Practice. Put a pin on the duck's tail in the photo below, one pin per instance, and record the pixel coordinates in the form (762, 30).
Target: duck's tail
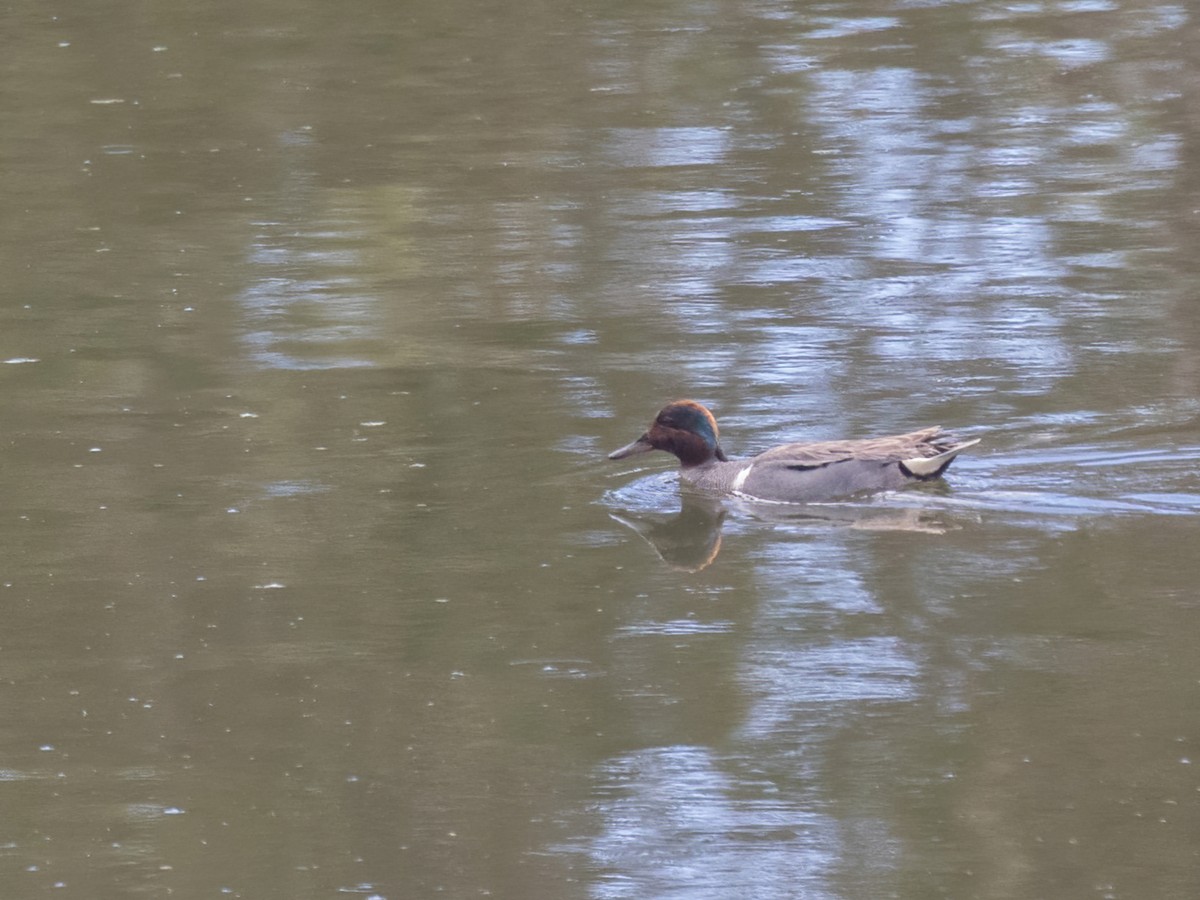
(927, 467)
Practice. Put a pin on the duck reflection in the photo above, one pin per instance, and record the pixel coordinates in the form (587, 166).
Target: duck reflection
(690, 539)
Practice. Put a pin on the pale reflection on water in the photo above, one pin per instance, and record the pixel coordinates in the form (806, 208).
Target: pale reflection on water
(682, 820)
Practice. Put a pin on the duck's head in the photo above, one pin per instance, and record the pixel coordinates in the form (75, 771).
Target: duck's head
(684, 428)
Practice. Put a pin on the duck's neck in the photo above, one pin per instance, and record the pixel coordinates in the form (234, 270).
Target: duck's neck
(694, 451)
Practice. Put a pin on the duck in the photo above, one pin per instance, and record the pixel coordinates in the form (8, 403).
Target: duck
(794, 473)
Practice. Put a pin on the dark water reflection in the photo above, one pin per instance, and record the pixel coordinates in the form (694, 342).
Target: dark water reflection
(316, 327)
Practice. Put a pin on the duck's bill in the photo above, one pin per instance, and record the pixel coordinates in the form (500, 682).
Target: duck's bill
(641, 445)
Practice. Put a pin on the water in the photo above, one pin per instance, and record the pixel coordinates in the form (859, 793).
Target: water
(317, 326)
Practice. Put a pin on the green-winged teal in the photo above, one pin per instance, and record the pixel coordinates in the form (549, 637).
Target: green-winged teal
(794, 473)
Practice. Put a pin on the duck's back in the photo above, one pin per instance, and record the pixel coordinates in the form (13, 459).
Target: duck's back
(926, 442)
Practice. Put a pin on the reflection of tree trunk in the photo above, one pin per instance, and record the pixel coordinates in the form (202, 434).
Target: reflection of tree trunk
(998, 820)
(1186, 218)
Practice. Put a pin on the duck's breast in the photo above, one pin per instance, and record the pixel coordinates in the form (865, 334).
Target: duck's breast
(718, 476)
